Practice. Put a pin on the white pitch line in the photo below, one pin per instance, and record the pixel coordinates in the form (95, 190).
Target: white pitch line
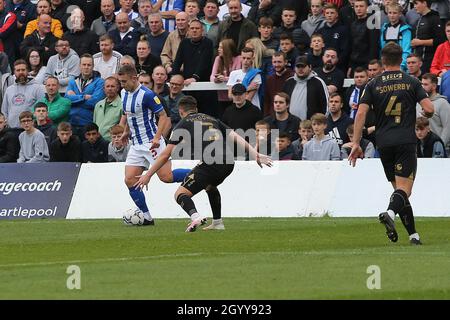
(299, 253)
(33, 264)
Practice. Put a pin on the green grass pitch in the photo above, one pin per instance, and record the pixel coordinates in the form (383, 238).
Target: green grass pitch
(255, 258)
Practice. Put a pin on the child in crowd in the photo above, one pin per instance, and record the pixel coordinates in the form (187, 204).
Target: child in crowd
(265, 29)
(316, 50)
(33, 147)
(43, 123)
(367, 146)
(429, 144)
(263, 137)
(66, 147)
(306, 133)
(117, 151)
(321, 147)
(288, 47)
(284, 148)
(94, 148)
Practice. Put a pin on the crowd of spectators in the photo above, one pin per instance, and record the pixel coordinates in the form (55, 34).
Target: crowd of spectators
(284, 64)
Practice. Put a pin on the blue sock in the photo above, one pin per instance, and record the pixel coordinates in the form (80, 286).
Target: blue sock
(180, 174)
(139, 198)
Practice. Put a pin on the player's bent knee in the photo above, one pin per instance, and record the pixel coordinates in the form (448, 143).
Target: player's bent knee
(180, 196)
(166, 177)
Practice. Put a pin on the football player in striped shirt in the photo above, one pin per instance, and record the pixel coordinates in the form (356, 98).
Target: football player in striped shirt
(141, 106)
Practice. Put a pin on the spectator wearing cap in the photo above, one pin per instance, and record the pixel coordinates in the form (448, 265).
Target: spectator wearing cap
(242, 114)
(308, 93)
(250, 77)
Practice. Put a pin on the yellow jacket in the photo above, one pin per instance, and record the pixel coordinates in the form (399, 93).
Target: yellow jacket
(56, 28)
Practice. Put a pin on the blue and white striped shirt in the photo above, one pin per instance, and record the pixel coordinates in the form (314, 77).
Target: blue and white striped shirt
(168, 5)
(140, 107)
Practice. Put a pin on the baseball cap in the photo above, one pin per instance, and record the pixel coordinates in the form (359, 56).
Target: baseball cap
(302, 61)
(238, 89)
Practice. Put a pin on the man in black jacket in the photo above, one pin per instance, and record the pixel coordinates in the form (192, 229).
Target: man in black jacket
(95, 148)
(195, 55)
(9, 142)
(307, 91)
(282, 119)
(364, 39)
(67, 147)
(428, 33)
(42, 39)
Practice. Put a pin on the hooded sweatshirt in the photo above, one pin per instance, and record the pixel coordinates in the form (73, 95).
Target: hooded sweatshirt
(313, 23)
(321, 150)
(440, 122)
(308, 96)
(19, 98)
(63, 69)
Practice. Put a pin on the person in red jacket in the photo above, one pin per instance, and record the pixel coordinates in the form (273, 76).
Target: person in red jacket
(441, 60)
(8, 31)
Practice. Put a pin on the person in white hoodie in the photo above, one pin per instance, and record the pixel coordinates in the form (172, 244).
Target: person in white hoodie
(63, 65)
(440, 121)
(22, 95)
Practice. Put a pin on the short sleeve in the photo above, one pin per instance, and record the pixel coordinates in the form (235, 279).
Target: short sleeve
(152, 102)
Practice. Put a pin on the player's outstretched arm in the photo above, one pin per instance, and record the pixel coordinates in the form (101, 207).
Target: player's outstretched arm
(427, 107)
(160, 161)
(260, 158)
(360, 120)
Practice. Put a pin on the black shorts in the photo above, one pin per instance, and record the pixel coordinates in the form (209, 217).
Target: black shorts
(204, 175)
(399, 161)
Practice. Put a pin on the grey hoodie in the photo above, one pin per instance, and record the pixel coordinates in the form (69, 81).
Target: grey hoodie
(325, 149)
(312, 24)
(19, 98)
(63, 69)
(440, 122)
(298, 106)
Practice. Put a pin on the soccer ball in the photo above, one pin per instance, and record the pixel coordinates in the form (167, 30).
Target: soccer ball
(133, 217)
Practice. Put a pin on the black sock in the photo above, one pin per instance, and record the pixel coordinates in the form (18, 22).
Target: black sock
(214, 201)
(407, 217)
(187, 204)
(398, 200)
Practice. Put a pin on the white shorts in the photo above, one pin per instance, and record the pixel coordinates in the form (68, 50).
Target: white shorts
(140, 155)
